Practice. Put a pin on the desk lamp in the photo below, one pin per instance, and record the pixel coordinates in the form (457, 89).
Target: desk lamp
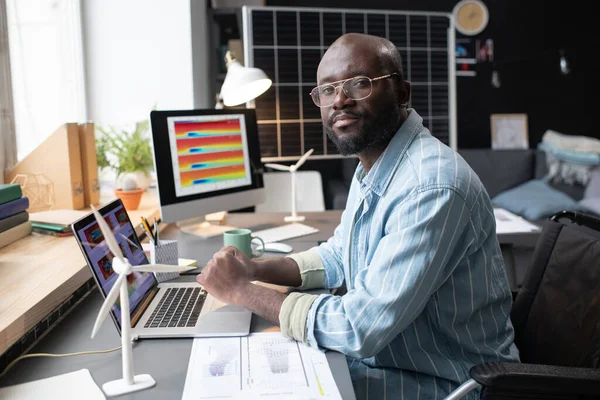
(241, 84)
(123, 268)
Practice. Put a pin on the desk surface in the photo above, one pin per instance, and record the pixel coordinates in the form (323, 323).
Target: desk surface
(200, 249)
(73, 333)
(165, 359)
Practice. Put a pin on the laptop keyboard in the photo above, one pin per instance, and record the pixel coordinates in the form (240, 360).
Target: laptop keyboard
(179, 307)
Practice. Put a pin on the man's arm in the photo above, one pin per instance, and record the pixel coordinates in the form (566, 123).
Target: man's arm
(278, 271)
(319, 267)
(418, 254)
(227, 278)
(269, 303)
(262, 301)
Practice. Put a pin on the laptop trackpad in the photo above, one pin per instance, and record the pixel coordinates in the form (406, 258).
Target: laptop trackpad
(230, 308)
(219, 306)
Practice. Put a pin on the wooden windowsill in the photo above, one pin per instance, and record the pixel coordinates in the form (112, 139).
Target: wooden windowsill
(39, 272)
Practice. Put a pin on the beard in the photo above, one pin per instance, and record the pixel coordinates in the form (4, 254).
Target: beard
(375, 132)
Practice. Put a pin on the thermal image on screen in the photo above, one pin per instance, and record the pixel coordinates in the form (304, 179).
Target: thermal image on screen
(209, 151)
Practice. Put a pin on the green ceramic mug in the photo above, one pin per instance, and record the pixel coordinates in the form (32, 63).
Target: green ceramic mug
(242, 239)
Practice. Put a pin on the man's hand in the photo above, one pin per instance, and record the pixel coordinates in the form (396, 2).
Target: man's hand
(225, 276)
(246, 262)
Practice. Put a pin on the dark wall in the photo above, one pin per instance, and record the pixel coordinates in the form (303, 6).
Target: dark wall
(527, 37)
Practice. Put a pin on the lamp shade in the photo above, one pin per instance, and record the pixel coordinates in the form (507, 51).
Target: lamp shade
(243, 84)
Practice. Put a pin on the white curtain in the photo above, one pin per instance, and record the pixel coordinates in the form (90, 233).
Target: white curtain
(8, 140)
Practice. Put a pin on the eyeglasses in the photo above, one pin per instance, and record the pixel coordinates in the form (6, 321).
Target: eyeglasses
(357, 88)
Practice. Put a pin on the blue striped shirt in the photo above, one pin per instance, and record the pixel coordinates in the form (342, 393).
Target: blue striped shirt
(427, 293)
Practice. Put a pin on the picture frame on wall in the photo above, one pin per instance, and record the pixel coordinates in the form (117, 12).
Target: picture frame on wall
(509, 131)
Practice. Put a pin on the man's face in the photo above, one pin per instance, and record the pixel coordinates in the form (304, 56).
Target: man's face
(355, 125)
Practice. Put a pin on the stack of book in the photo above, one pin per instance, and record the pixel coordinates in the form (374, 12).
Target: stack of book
(55, 222)
(14, 218)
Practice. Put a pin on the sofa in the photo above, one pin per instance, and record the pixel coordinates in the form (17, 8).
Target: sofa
(517, 181)
(505, 175)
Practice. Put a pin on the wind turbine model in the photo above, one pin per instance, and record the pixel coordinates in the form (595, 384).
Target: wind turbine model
(292, 169)
(122, 267)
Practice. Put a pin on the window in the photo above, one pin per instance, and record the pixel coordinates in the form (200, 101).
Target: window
(47, 70)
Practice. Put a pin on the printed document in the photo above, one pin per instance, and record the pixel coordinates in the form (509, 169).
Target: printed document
(261, 365)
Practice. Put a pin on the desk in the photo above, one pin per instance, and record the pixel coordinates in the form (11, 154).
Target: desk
(517, 248)
(165, 359)
(73, 333)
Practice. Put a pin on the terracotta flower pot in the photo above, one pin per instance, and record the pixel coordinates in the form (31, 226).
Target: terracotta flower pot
(130, 198)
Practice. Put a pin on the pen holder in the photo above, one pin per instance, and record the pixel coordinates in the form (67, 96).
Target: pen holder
(165, 252)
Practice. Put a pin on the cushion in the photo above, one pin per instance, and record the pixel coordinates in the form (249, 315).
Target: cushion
(541, 172)
(593, 187)
(535, 200)
(592, 204)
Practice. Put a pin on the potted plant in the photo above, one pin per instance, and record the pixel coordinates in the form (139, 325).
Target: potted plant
(129, 155)
(130, 194)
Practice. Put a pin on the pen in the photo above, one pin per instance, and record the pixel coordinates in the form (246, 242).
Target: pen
(155, 231)
(146, 227)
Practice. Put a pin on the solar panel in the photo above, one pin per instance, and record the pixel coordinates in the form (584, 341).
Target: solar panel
(288, 43)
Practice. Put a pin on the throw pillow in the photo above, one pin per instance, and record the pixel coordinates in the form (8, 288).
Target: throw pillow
(592, 189)
(535, 200)
(592, 204)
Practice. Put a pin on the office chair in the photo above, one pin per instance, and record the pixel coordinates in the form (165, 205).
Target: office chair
(556, 316)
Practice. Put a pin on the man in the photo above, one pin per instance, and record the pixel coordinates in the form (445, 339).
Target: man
(427, 295)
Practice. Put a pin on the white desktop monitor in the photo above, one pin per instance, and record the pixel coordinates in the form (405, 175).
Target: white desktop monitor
(206, 161)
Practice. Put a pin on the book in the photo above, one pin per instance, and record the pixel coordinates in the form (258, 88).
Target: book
(58, 158)
(51, 233)
(64, 218)
(15, 233)
(89, 164)
(50, 227)
(10, 192)
(14, 207)
(13, 220)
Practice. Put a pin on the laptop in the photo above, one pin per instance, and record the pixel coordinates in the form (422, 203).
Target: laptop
(158, 310)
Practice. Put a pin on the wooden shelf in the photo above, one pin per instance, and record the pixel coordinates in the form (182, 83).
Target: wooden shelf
(39, 272)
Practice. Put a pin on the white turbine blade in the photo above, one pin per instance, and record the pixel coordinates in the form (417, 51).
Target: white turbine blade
(303, 159)
(129, 241)
(278, 167)
(108, 303)
(108, 235)
(161, 268)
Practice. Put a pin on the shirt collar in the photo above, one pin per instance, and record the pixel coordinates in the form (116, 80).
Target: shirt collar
(381, 173)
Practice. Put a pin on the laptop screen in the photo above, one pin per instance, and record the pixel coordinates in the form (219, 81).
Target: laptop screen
(100, 258)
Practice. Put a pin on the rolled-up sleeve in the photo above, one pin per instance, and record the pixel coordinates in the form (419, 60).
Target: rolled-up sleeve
(311, 269)
(320, 267)
(426, 236)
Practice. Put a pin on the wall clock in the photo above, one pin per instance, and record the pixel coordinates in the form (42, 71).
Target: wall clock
(470, 17)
